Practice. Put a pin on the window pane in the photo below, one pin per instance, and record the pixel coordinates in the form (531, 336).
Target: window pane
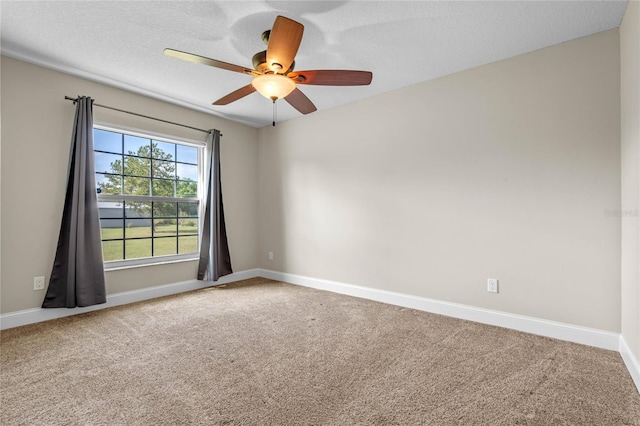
(163, 169)
(164, 246)
(138, 228)
(111, 229)
(107, 141)
(109, 184)
(137, 248)
(164, 209)
(164, 227)
(109, 209)
(112, 250)
(187, 154)
(136, 166)
(163, 188)
(187, 189)
(135, 145)
(136, 185)
(108, 163)
(187, 244)
(137, 210)
(187, 172)
(188, 226)
(188, 209)
(164, 150)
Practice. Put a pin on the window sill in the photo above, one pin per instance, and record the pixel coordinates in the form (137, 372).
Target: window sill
(143, 263)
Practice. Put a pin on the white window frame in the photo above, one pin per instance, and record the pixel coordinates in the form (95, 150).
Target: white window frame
(203, 150)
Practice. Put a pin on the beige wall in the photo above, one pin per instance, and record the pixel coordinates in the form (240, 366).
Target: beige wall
(630, 130)
(505, 171)
(510, 170)
(36, 133)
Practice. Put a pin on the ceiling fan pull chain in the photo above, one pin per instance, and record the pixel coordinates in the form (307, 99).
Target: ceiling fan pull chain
(275, 110)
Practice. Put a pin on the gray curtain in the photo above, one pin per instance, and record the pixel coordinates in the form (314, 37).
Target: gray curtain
(215, 260)
(77, 278)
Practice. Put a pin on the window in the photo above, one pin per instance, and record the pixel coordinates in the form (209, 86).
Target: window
(148, 196)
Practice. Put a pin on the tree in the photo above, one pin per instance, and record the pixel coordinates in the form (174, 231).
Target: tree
(138, 169)
(187, 188)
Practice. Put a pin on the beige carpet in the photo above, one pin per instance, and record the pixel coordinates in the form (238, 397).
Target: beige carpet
(260, 352)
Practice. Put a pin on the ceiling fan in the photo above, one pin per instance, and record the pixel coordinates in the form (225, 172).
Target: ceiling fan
(273, 74)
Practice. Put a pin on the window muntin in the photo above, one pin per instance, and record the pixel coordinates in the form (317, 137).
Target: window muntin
(148, 195)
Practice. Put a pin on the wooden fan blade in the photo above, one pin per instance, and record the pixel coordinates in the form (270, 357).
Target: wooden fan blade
(333, 77)
(234, 96)
(207, 61)
(284, 41)
(299, 101)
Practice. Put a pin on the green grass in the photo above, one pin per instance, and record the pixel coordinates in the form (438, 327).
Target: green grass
(173, 244)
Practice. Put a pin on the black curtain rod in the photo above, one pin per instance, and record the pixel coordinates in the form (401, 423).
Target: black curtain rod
(141, 115)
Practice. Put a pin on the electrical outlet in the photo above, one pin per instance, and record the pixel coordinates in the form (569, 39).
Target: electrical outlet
(492, 285)
(38, 283)
(270, 256)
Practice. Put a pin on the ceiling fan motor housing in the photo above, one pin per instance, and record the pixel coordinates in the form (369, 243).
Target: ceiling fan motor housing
(259, 61)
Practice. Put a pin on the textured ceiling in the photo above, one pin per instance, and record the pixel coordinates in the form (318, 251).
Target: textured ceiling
(121, 43)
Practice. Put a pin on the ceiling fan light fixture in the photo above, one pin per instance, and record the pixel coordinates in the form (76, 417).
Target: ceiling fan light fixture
(273, 86)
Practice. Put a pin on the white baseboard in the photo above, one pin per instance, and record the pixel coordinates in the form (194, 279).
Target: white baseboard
(632, 363)
(557, 330)
(30, 316)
